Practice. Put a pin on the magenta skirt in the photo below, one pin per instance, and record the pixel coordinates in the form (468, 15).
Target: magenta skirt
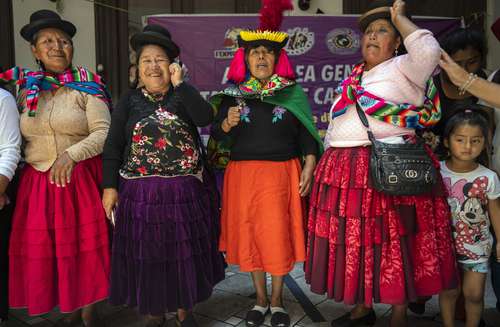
(59, 249)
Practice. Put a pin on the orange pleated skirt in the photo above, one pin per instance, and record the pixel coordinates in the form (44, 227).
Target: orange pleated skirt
(262, 226)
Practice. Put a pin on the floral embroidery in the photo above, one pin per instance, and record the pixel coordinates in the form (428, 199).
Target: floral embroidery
(278, 113)
(253, 86)
(162, 146)
(245, 111)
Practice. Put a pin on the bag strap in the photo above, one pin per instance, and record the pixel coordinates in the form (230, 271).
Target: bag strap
(362, 116)
(364, 121)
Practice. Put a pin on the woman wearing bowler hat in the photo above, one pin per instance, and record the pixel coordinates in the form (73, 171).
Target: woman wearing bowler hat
(59, 248)
(156, 185)
(367, 246)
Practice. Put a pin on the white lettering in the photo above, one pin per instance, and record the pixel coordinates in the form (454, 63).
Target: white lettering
(224, 77)
(327, 73)
(339, 71)
(324, 95)
(310, 75)
(317, 94)
(299, 71)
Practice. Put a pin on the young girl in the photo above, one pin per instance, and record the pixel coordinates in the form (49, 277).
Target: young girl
(473, 196)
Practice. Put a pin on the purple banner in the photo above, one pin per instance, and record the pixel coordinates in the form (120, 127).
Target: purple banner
(323, 50)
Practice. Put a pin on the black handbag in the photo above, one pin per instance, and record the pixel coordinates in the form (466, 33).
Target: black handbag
(399, 169)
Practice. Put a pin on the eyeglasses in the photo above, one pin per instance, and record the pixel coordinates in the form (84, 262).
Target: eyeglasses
(54, 43)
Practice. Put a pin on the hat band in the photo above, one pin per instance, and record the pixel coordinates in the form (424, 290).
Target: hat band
(374, 11)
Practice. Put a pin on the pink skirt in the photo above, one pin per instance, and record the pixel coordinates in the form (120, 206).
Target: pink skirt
(365, 246)
(59, 246)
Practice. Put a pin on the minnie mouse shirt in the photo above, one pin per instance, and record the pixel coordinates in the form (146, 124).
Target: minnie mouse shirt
(468, 195)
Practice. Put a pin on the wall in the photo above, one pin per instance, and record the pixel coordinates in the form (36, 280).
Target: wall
(329, 7)
(80, 13)
(493, 44)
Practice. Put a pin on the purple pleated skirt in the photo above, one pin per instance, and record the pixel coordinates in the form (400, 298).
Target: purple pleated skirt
(165, 246)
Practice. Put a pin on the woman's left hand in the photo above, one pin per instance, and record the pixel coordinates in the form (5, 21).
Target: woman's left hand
(4, 200)
(457, 74)
(398, 9)
(306, 178)
(61, 170)
(176, 74)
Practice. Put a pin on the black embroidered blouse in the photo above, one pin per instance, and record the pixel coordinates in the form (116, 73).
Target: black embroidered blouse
(155, 139)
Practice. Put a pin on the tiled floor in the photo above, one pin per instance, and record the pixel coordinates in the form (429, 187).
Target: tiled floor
(233, 297)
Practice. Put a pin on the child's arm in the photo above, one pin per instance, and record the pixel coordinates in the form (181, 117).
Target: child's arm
(494, 212)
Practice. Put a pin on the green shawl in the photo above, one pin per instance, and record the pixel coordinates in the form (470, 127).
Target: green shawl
(281, 92)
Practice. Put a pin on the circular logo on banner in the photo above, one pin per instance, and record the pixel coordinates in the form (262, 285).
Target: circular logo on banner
(230, 44)
(343, 41)
(300, 41)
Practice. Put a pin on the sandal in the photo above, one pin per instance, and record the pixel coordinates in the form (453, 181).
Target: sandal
(189, 321)
(345, 321)
(69, 320)
(256, 316)
(279, 317)
(155, 322)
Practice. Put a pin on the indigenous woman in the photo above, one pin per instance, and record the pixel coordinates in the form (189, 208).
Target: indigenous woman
(267, 122)
(366, 246)
(59, 248)
(165, 255)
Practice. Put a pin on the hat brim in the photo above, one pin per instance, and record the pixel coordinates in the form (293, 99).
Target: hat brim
(145, 38)
(29, 30)
(263, 42)
(373, 15)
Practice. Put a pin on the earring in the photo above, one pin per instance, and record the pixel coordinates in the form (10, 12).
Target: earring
(40, 64)
(396, 52)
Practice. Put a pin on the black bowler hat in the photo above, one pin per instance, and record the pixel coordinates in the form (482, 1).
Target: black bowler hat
(158, 35)
(377, 9)
(45, 19)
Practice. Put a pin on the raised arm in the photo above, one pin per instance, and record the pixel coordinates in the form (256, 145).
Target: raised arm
(479, 87)
(423, 49)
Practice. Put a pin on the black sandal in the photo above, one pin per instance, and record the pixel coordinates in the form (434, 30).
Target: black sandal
(189, 321)
(69, 320)
(279, 317)
(345, 321)
(96, 322)
(256, 316)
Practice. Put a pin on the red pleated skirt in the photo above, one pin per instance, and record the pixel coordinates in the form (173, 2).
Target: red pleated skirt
(59, 246)
(365, 246)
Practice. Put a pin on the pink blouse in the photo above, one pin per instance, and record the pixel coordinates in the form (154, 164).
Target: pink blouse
(401, 79)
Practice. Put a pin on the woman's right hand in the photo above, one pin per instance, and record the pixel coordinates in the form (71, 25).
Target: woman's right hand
(109, 201)
(232, 119)
(398, 9)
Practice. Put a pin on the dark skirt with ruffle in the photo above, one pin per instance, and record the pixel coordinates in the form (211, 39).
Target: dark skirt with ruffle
(365, 246)
(165, 254)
